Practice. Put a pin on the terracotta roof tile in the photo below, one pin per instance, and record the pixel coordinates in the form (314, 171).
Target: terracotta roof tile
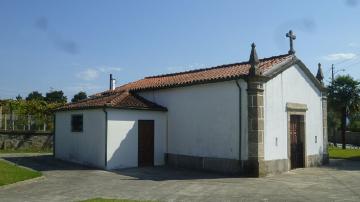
(123, 99)
(222, 72)
(125, 96)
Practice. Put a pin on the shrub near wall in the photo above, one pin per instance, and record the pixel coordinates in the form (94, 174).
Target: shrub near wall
(26, 141)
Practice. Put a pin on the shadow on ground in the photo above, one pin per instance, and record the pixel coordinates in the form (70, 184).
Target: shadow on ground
(44, 163)
(344, 164)
(160, 173)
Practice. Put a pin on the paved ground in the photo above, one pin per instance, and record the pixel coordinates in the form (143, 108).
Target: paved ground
(340, 181)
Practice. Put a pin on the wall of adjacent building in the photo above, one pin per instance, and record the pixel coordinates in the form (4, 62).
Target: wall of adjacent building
(203, 120)
(292, 86)
(122, 139)
(87, 147)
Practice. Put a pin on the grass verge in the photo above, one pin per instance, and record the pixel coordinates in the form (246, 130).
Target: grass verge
(29, 150)
(11, 173)
(112, 200)
(338, 153)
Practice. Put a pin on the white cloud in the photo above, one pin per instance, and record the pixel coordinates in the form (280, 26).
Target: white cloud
(88, 74)
(340, 56)
(353, 44)
(93, 73)
(105, 69)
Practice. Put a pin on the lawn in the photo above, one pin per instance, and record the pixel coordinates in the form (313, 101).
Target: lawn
(111, 200)
(11, 173)
(29, 150)
(338, 153)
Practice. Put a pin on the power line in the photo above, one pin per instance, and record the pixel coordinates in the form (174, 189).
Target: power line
(352, 64)
(347, 60)
(333, 72)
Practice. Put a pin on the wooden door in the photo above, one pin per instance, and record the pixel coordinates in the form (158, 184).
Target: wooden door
(145, 143)
(296, 142)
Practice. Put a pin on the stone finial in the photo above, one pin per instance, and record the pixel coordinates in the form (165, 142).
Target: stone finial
(254, 61)
(291, 37)
(320, 75)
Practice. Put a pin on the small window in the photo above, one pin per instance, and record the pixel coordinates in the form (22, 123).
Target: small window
(77, 123)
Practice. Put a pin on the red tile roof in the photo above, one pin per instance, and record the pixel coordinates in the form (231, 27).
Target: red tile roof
(125, 96)
(122, 100)
(223, 72)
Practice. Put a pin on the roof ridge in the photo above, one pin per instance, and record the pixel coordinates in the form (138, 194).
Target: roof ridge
(142, 99)
(96, 96)
(121, 95)
(125, 96)
(213, 67)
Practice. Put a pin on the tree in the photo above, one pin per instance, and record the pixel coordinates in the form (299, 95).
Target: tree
(35, 95)
(354, 124)
(344, 99)
(79, 96)
(56, 96)
(18, 97)
(333, 124)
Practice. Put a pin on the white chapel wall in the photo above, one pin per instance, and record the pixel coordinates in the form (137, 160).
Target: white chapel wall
(294, 86)
(203, 120)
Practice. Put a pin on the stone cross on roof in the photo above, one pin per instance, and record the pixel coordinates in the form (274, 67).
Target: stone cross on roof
(292, 37)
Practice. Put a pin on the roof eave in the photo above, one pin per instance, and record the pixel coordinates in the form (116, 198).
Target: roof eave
(111, 107)
(281, 67)
(190, 84)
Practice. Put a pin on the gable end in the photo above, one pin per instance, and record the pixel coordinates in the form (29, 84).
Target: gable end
(279, 68)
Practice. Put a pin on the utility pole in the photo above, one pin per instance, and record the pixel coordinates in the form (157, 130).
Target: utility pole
(333, 72)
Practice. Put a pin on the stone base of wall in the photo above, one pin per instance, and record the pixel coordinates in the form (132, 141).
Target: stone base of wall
(235, 167)
(254, 168)
(220, 165)
(314, 160)
(24, 141)
(325, 158)
(276, 166)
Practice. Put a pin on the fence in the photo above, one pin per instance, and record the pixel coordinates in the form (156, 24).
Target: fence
(351, 138)
(21, 122)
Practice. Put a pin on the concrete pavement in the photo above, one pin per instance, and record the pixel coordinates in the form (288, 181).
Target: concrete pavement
(340, 181)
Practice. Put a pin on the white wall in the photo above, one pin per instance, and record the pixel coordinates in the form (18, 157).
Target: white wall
(87, 147)
(294, 86)
(122, 139)
(203, 120)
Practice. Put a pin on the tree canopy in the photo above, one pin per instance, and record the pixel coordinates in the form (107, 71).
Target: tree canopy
(56, 96)
(344, 99)
(344, 93)
(35, 95)
(18, 97)
(79, 96)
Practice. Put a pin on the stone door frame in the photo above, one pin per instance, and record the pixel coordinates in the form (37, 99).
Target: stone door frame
(296, 109)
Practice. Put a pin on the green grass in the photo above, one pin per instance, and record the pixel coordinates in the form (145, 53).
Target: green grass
(111, 200)
(338, 153)
(10, 173)
(29, 150)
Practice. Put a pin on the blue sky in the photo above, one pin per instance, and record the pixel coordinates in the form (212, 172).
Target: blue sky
(74, 45)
